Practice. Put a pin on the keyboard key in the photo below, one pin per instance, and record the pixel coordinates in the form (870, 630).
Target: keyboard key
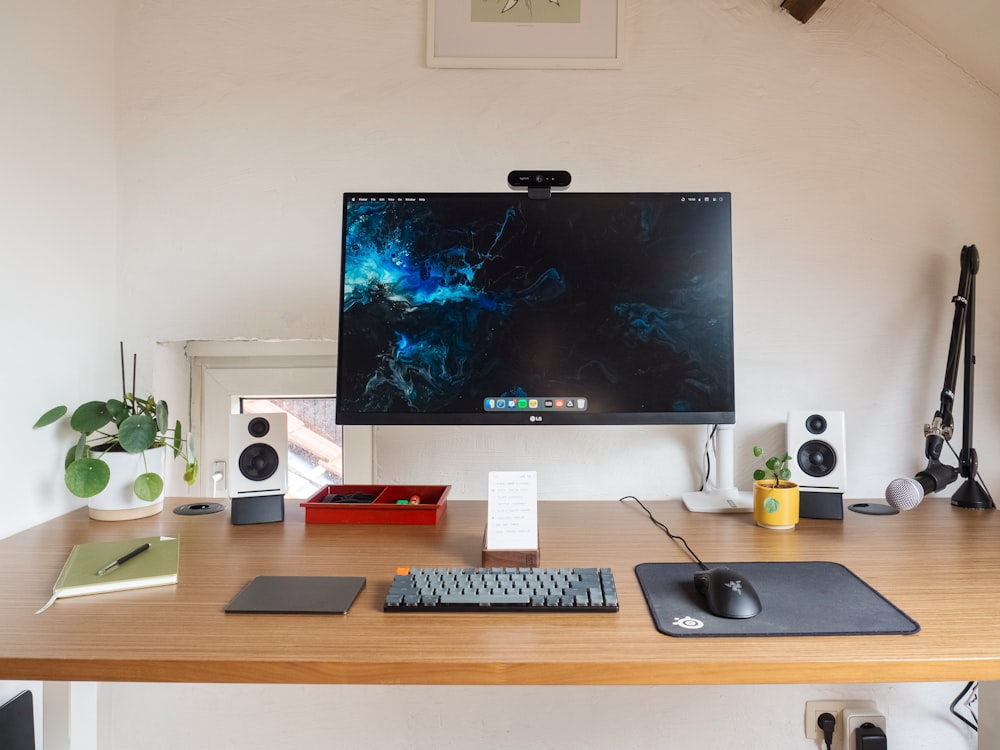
(489, 600)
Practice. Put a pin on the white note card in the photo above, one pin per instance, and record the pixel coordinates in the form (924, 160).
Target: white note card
(512, 510)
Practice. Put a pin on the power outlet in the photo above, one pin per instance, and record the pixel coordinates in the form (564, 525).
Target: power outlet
(837, 708)
(853, 718)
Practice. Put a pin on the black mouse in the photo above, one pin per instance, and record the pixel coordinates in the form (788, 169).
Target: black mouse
(727, 593)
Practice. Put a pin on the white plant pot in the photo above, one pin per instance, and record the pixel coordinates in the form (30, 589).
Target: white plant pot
(118, 502)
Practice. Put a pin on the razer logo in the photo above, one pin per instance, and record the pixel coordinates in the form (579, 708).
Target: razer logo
(736, 586)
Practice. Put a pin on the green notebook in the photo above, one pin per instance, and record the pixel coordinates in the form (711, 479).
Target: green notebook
(156, 566)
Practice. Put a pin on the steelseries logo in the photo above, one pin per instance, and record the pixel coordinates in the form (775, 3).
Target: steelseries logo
(535, 418)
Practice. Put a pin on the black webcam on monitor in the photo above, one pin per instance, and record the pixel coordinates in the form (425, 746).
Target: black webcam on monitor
(539, 182)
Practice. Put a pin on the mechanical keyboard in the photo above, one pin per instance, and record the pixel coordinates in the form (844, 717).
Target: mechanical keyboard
(502, 589)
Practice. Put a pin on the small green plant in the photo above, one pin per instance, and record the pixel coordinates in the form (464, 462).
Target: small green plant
(776, 468)
(129, 424)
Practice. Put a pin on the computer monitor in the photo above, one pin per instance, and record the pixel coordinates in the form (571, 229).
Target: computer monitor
(500, 308)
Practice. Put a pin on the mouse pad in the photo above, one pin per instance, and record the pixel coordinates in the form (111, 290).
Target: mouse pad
(297, 595)
(797, 598)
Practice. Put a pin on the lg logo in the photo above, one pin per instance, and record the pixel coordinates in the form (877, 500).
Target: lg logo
(534, 418)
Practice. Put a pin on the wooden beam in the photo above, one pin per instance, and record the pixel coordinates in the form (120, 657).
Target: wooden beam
(801, 10)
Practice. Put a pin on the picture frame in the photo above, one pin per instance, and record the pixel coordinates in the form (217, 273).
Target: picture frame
(525, 33)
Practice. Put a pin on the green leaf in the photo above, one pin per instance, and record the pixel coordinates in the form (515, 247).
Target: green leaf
(90, 417)
(191, 472)
(86, 477)
(50, 416)
(80, 450)
(148, 486)
(759, 474)
(758, 451)
(118, 410)
(176, 444)
(161, 416)
(137, 433)
(785, 474)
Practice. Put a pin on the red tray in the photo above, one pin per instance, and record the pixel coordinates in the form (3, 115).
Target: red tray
(384, 509)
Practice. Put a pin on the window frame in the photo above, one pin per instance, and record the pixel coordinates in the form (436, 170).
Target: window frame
(223, 372)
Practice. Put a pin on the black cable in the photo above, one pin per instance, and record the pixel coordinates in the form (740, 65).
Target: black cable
(968, 696)
(667, 531)
(707, 454)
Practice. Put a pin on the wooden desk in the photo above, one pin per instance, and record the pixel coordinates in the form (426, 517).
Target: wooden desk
(936, 563)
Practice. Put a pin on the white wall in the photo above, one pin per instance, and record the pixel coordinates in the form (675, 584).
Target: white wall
(860, 160)
(522, 718)
(57, 235)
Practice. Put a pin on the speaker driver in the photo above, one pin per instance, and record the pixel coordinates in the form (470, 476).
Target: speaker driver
(258, 461)
(816, 458)
(258, 427)
(816, 424)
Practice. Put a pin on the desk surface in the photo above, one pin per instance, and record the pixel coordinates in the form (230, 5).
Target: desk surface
(936, 563)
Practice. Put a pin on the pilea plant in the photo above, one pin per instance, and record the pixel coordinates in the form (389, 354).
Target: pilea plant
(776, 468)
(128, 424)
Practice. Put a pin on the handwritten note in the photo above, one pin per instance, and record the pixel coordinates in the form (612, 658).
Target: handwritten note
(512, 510)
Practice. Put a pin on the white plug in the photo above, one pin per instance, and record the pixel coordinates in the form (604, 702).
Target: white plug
(218, 475)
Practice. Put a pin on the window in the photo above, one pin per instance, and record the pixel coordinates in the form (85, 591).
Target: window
(298, 377)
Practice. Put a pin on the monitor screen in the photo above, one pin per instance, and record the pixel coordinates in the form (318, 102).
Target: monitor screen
(499, 308)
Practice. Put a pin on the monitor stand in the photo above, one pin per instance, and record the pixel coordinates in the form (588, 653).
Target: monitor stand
(725, 497)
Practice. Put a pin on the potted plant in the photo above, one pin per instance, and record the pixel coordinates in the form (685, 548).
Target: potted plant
(132, 432)
(775, 496)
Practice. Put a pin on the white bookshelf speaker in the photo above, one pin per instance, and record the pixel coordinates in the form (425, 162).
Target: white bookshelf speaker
(258, 467)
(817, 444)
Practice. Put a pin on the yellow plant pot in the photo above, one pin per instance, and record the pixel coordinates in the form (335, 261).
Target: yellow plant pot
(775, 507)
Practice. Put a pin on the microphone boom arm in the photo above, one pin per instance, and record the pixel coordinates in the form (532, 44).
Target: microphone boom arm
(971, 494)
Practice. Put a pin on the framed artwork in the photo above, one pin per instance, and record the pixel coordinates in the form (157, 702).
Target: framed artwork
(525, 33)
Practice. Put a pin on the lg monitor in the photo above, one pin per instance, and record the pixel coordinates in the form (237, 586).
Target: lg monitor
(505, 309)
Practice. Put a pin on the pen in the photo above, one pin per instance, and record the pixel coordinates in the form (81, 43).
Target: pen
(115, 563)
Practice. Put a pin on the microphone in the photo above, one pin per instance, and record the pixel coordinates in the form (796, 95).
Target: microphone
(905, 493)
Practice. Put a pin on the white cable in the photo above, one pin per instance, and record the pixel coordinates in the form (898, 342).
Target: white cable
(216, 478)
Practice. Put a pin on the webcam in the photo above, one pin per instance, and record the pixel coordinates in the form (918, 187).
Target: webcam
(539, 182)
